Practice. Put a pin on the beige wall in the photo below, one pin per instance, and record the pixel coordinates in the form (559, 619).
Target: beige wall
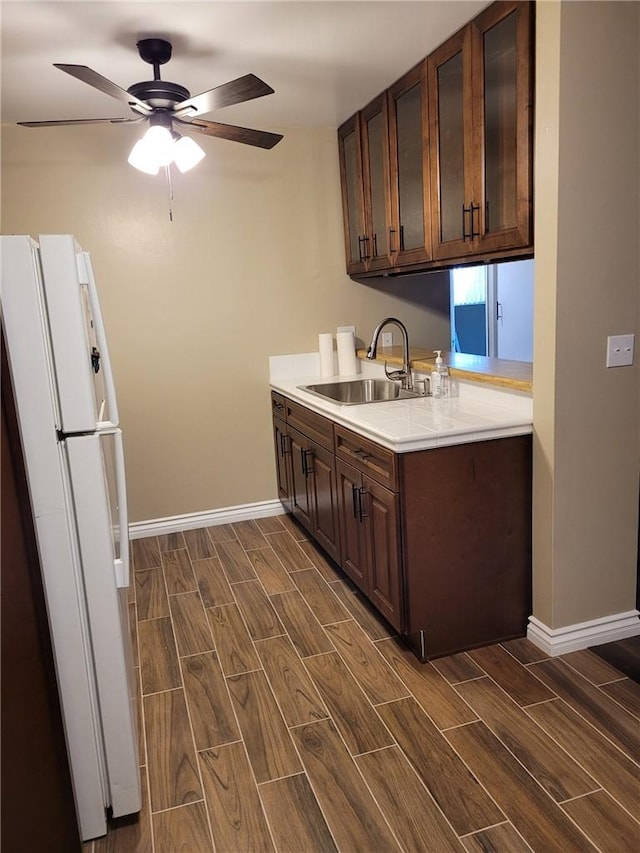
(587, 287)
(252, 265)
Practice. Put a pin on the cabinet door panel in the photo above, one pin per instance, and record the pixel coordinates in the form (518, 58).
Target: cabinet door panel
(301, 496)
(375, 158)
(385, 582)
(499, 54)
(325, 501)
(451, 147)
(352, 530)
(283, 457)
(352, 194)
(503, 96)
(409, 147)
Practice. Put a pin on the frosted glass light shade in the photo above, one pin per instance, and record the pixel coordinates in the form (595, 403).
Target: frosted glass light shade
(186, 153)
(140, 159)
(155, 149)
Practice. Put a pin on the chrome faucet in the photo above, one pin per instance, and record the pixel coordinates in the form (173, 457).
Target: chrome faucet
(403, 375)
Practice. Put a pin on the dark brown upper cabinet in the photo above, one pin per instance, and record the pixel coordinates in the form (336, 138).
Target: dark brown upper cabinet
(481, 104)
(355, 237)
(409, 149)
(438, 169)
(374, 129)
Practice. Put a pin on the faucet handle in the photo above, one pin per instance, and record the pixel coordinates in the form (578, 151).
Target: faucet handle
(426, 383)
(396, 375)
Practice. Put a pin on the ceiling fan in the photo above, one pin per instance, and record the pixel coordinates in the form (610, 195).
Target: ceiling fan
(167, 106)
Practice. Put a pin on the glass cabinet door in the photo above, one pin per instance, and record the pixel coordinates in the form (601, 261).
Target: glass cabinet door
(502, 88)
(352, 196)
(375, 158)
(409, 144)
(455, 214)
(499, 58)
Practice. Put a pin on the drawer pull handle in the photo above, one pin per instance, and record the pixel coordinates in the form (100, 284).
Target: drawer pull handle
(361, 454)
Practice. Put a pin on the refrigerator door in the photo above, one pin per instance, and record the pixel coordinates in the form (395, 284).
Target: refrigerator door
(24, 321)
(98, 521)
(83, 374)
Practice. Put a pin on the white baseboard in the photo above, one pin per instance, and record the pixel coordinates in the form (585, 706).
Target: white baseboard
(560, 641)
(227, 515)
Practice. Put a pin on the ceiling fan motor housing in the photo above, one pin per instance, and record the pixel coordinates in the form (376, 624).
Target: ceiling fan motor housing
(159, 93)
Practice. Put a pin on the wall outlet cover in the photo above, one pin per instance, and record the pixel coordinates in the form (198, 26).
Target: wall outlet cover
(386, 339)
(620, 350)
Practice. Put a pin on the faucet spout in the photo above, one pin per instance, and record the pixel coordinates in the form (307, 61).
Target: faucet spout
(403, 375)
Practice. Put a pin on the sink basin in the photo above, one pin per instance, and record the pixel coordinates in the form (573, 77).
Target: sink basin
(359, 391)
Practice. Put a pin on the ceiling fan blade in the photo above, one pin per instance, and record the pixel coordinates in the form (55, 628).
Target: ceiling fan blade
(88, 75)
(234, 92)
(81, 121)
(259, 138)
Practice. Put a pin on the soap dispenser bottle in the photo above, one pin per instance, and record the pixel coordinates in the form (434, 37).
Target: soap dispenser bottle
(439, 377)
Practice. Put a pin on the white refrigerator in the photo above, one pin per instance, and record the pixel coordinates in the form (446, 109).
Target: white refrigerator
(68, 419)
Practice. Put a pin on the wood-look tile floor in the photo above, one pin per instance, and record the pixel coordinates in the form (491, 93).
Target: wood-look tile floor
(278, 713)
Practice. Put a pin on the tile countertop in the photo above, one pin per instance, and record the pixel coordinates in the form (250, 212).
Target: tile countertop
(474, 412)
(500, 372)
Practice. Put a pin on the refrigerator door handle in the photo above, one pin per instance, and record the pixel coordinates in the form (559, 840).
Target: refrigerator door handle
(121, 564)
(86, 274)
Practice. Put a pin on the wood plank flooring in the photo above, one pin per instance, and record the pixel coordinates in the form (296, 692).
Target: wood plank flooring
(279, 713)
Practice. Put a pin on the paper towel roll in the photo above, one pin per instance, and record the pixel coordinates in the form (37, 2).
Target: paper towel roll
(347, 365)
(325, 342)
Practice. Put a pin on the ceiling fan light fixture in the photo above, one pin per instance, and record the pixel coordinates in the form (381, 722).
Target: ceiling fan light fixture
(187, 153)
(155, 149)
(139, 159)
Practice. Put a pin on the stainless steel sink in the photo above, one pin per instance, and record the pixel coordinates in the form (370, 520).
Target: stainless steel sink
(358, 391)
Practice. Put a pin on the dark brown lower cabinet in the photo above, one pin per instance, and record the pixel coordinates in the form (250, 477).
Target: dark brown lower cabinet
(370, 540)
(438, 540)
(466, 531)
(283, 463)
(306, 471)
(313, 493)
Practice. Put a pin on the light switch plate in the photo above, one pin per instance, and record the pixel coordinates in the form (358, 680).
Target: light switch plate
(347, 329)
(620, 350)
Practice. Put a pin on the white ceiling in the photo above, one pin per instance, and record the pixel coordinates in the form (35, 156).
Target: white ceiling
(325, 60)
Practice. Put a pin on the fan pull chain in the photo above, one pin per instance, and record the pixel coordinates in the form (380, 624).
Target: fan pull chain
(167, 172)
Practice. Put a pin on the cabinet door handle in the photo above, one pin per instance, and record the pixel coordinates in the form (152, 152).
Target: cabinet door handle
(486, 217)
(284, 445)
(307, 466)
(402, 238)
(375, 245)
(362, 494)
(363, 248)
(355, 495)
(474, 208)
(465, 235)
(392, 251)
